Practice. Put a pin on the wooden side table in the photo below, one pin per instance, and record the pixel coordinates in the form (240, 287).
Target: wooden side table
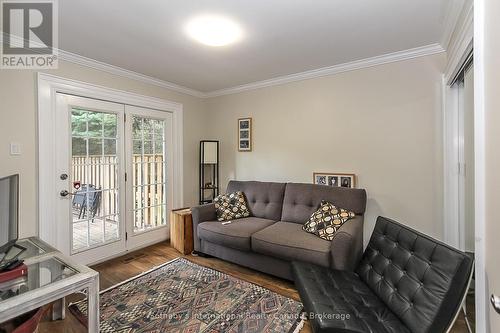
(181, 230)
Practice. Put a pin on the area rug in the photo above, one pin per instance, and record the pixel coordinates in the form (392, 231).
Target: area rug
(181, 296)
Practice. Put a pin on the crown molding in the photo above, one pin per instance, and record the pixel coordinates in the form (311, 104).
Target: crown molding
(315, 73)
(115, 70)
(331, 70)
(325, 71)
(461, 39)
(453, 12)
(101, 66)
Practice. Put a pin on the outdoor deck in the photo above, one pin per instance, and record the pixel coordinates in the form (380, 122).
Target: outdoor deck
(97, 233)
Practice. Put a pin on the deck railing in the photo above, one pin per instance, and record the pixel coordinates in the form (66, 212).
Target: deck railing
(102, 172)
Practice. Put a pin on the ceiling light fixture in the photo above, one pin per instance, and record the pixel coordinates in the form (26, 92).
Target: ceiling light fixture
(213, 30)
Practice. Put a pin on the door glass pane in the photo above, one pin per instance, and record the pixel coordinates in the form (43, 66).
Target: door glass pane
(79, 146)
(95, 124)
(149, 173)
(80, 236)
(95, 165)
(110, 147)
(110, 125)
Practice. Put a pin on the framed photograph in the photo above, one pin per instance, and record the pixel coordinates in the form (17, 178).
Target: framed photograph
(244, 145)
(245, 134)
(335, 179)
(320, 180)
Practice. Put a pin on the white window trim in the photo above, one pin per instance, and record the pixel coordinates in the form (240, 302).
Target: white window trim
(48, 87)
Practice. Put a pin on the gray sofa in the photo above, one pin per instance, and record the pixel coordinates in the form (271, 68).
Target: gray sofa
(272, 237)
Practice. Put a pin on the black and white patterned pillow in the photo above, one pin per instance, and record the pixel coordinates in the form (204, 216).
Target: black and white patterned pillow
(231, 206)
(325, 222)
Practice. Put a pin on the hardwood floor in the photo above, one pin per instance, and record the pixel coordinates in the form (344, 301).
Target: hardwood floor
(122, 268)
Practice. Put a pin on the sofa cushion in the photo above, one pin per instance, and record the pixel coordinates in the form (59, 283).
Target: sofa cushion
(265, 200)
(235, 235)
(342, 302)
(288, 241)
(301, 200)
(327, 220)
(231, 206)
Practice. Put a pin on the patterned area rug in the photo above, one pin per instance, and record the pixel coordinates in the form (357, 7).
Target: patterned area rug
(181, 296)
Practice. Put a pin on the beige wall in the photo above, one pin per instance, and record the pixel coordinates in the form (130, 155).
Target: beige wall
(18, 114)
(382, 123)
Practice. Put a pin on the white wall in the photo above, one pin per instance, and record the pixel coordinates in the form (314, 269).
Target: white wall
(489, 56)
(18, 114)
(382, 123)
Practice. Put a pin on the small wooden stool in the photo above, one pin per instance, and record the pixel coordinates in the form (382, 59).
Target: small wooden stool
(181, 230)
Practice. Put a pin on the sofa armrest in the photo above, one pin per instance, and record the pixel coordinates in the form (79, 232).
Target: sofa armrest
(201, 214)
(347, 245)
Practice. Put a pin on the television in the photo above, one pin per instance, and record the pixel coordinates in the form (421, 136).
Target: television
(9, 213)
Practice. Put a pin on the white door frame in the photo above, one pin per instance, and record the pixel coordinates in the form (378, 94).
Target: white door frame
(48, 87)
(471, 33)
(458, 50)
(482, 298)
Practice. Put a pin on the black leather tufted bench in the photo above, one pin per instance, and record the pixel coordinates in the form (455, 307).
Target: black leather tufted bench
(405, 282)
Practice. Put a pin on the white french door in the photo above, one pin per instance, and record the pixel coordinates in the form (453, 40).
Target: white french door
(113, 178)
(149, 171)
(90, 178)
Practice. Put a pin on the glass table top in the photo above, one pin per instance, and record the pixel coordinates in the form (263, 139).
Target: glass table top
(33, 248)
(40, 274)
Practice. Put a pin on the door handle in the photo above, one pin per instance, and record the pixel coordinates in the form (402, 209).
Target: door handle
(495, 301)
(65, 193)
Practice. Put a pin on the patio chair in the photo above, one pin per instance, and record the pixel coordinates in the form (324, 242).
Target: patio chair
(93, 203)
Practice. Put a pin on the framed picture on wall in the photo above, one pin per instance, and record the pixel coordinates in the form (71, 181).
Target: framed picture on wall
(245, 134)
(335, 179)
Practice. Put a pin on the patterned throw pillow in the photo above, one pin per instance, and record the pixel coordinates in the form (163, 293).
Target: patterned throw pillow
(325, 222)
(231, 206)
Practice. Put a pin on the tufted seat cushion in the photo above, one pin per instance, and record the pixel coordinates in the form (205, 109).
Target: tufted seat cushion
(342, 302)
(405, 282)
(285, 240)
(419, 278)
(264, 199)
(235, 235)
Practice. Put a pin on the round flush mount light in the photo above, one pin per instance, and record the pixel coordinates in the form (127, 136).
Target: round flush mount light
(213, 30)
